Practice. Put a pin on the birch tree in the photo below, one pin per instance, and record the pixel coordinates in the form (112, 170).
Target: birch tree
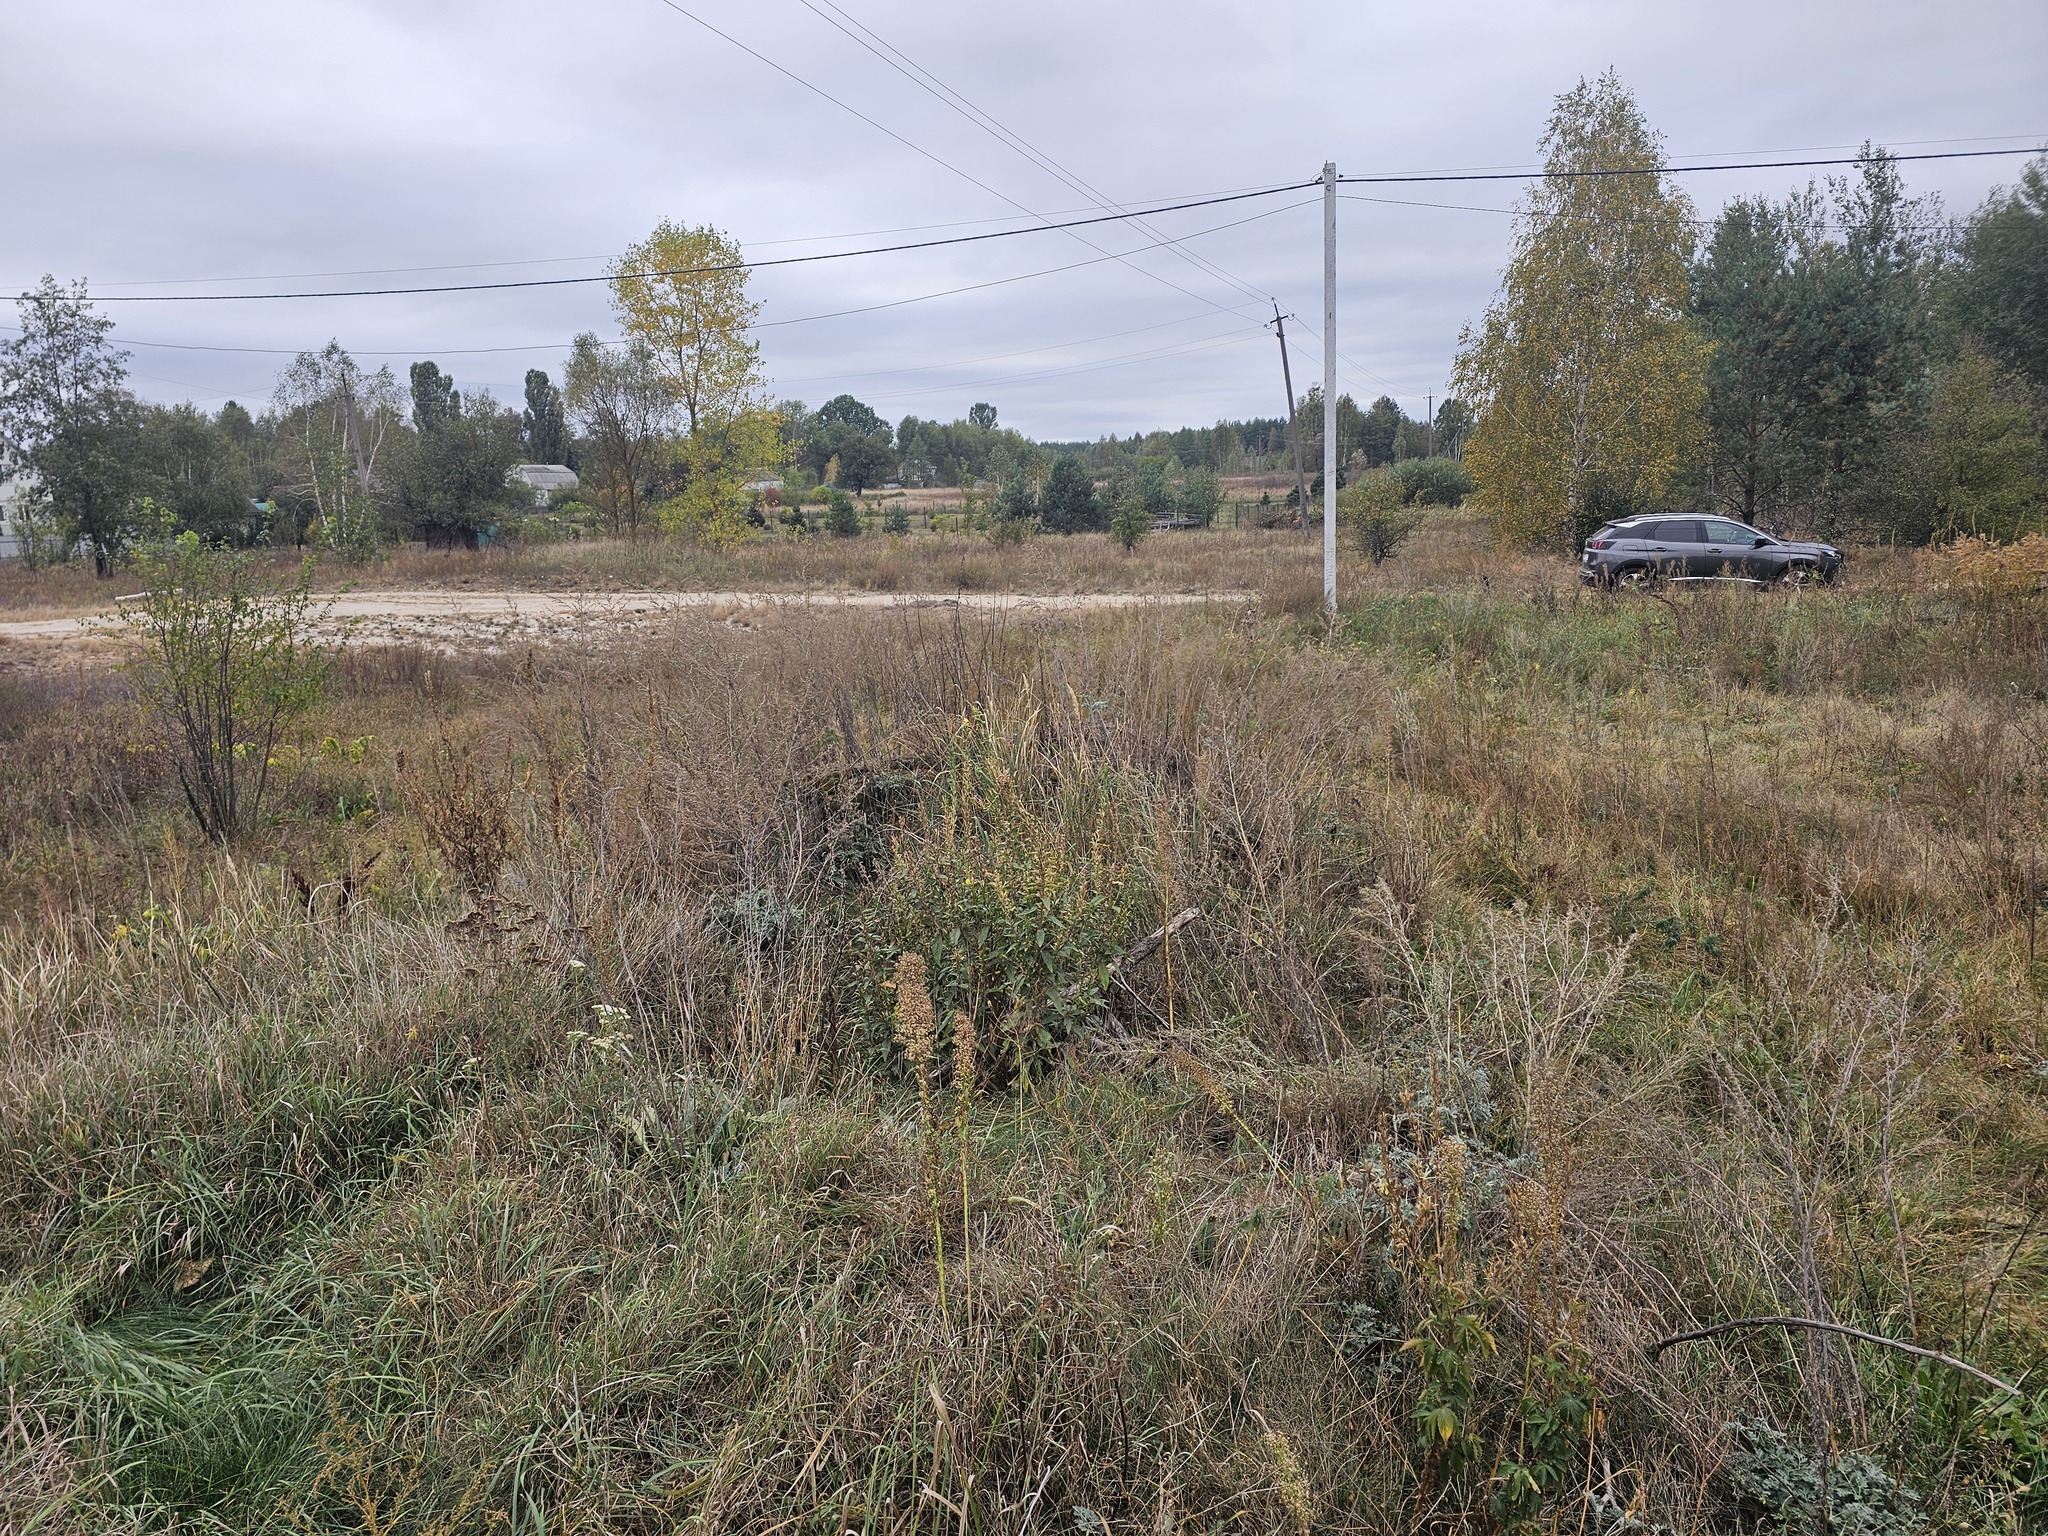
(337, 419)
(1586, 376)
(615, 396)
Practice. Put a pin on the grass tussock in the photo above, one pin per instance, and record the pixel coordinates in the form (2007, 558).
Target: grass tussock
(758, 1079)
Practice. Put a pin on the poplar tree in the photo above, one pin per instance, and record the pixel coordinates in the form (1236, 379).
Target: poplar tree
(1587, 375)
(683, 293)
(543, 424)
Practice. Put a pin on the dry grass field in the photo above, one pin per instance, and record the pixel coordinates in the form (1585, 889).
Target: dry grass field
(536, 1124)
(919, 563)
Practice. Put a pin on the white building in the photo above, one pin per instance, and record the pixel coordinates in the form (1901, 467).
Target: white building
(544, 479)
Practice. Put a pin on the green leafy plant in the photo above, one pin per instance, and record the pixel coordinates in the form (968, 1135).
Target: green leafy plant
(1014, 893)
(1450, 1347)
(1559, 1416)
(1851, 1496)
(2018, 1427)
(227, 663)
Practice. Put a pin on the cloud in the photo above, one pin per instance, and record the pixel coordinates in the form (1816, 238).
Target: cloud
(233, 139)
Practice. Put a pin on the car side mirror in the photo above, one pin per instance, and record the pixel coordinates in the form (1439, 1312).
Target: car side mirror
(1760, 543)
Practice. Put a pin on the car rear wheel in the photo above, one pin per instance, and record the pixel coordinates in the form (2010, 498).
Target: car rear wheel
(1633, 578)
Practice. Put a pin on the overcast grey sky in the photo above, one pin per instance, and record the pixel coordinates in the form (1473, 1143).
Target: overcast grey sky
(152, 145)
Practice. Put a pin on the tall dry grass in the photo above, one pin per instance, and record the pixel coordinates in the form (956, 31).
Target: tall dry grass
(517, 1135)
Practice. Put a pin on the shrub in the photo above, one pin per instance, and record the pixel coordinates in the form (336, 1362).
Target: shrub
(1432, 482)
(1130, 522)
(1376, 513)
(227, 664)
(1201, 493)
(896, 519)
(1012, 890)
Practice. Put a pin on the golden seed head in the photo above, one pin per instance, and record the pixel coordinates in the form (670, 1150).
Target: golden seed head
(963, 1050)
(1289, 1481)
(917, 1024)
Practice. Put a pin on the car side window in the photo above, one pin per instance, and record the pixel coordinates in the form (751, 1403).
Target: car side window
(1684, 530)
(1730, 533)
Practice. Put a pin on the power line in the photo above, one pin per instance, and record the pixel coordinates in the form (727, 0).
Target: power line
(933, 86)
(993, 357)
(1670, 170)
(762, 325)
(1092, 261)
(731, 266)
(1404, 202)
(915, 148)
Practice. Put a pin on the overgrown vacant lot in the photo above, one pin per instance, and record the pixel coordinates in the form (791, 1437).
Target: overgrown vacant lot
(519, 1133)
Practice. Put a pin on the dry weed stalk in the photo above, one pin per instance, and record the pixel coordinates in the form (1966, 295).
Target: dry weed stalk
(917, 1032)
(963, 1104)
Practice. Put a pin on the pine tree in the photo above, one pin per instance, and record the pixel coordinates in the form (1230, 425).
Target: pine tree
(1066, 503)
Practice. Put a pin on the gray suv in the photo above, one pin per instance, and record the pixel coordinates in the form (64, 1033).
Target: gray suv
(1640, 550)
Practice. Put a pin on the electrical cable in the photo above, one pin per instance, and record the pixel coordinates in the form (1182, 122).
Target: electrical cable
(730, 266)
(907, 143)
(1669, 170)
(1114, 362)
(866, 37)
(1092, 261)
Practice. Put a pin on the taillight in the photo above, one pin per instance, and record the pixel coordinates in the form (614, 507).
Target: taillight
(1599, 543)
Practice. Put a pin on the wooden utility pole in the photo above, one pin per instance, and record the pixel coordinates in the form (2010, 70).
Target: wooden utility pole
(1293, 426)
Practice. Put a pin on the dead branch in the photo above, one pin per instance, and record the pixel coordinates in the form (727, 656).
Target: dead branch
(1818, 1326)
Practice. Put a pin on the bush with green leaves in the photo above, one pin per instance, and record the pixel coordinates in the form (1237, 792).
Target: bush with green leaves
(1199, 496)
(1130, 522)
(1432, 482)
(1375, 511)
(228, 661)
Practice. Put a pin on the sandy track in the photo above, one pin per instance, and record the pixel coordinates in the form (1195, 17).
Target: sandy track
(485, 616)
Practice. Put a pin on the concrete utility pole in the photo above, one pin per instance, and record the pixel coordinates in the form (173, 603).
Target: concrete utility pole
(1330, 388)
(1293, 426)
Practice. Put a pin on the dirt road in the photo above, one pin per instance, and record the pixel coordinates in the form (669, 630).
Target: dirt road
(496, 617)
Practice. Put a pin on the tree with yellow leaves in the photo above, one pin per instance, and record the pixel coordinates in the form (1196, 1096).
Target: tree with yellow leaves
(684, 293)
(1587, 377)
